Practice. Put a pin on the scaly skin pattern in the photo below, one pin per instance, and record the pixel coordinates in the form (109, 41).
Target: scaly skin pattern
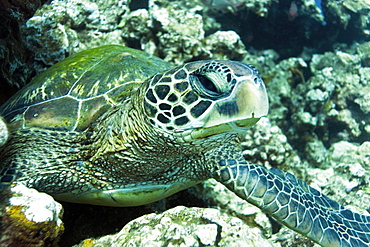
(71, 165)
(146, 140)
(291, 201)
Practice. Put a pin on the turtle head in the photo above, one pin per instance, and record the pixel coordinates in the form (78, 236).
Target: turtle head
(205, 98)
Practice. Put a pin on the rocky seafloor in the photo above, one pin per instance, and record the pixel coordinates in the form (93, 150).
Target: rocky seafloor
(314, 59)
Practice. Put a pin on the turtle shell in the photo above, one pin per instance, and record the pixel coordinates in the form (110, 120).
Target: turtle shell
(74, 92)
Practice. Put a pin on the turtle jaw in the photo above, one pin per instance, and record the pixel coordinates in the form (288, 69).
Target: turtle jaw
(238, 126)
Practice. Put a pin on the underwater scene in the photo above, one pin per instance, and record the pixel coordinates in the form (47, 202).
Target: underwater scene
(314, 59)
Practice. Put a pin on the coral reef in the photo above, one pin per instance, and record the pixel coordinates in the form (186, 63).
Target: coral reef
(15, 59)
(179, 33)
(62, 28)
(315, 60)
(330, 106)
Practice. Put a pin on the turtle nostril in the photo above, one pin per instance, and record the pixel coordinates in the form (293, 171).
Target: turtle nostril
(258, 80)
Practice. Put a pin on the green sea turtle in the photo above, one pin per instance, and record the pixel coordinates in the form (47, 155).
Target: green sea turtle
(115, 126)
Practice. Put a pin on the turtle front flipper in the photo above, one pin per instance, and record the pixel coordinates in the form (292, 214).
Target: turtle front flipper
(293, 203)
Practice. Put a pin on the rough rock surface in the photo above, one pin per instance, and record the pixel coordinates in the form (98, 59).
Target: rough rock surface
(224, 45)
(62, 28)
(182, 226)
(15, 59)
(29, 218)
(4, 134)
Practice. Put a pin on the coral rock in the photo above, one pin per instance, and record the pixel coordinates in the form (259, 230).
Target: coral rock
(4, 134)
(29, 218)
(182, 226)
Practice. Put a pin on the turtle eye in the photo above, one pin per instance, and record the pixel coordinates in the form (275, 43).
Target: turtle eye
(207, 84)
(204, 85)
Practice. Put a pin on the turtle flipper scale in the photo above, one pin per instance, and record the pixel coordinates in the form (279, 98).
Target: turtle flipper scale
(293, 203)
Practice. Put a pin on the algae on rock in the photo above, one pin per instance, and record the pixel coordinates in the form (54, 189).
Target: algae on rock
(29, 218)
